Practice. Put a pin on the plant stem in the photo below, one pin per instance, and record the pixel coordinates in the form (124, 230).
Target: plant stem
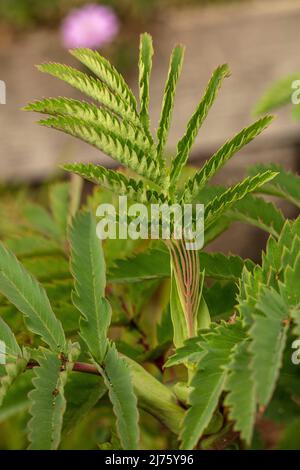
(153, 396)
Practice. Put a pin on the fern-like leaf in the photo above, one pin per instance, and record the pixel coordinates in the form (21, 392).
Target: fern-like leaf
(117, 182)
(107, 73)
(196, 121)
(145, 66)
(93, 88)
(168, 99)
(128, 154)
(90, 113)
(225, 201)
(195, 184)
(30, 298)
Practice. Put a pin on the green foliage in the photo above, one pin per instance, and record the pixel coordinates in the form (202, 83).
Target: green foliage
(30, 298)
(199, 343)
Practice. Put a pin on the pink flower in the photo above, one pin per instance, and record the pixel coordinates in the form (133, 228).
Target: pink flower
(90, 26)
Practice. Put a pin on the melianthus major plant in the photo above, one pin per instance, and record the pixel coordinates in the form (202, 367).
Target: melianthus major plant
(228, 350)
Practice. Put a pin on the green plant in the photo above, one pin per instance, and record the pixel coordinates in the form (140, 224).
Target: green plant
(231, 332)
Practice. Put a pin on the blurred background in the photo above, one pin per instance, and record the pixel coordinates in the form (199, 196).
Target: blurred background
(259, 39)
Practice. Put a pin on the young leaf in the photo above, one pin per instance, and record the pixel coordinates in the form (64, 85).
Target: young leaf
(116, 182)
(107, 73)
(93, 88)
(127, 153)
(168, 99)
(195, 184)
(88, 269)
(145, 66)
(209, 380)
(196, 121)
(47, 404)
(116, 375)
(225, 201)
(30, 298)
(179, 320)
(90, 113)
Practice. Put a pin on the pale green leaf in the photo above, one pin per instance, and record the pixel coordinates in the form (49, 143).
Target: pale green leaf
(127, 153)
(91, 114)
(93, 88)
(47, 404)
(88, 269)
(117, 182)
(117, 377)
(30, 298)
